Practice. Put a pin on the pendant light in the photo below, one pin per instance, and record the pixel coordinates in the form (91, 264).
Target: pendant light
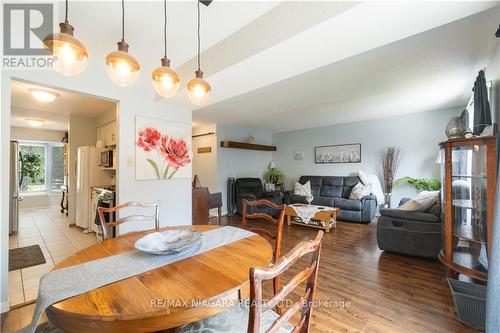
(198, 89)
(165, 80)
(70, 54)
(121, 67)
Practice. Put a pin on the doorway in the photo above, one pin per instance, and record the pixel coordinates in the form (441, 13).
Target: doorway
(51, 182)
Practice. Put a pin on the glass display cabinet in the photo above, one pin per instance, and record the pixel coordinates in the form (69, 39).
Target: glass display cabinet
(469, 183)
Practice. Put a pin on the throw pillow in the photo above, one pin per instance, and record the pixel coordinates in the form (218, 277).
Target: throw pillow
(304, 190)
(359, 190)
(374, 183)
(422, 202)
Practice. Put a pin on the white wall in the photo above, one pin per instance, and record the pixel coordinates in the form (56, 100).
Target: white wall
(493, 74)
(36, 134)
(106, 117)
(240, 162)
(418, 134)
(34, 201)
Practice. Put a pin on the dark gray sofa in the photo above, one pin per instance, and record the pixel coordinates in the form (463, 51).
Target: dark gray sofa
(411, 233)
(334, 192)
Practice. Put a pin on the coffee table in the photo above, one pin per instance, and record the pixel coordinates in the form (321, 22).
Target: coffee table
(327, 215)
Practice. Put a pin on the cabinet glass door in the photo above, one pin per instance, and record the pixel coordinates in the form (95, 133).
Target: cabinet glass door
(469, 202)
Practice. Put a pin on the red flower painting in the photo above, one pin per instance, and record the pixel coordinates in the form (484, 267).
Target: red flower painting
(148, 139)
(172, 153)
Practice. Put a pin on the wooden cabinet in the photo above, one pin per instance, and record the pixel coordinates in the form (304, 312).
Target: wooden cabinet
(108, 134)
(469, 185)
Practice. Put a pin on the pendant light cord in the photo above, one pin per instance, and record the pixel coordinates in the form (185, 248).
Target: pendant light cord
(123, 20)
(165, 27)
(199, 67)
(66, 12)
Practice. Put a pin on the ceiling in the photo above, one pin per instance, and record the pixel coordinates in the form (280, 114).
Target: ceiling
(356, 62)
(55, 114)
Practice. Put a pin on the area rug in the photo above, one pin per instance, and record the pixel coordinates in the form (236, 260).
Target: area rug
(26, 256)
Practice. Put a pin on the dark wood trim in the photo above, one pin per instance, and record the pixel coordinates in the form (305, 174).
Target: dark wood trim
(447, 256)
(245, 145)
(203, 150)
(202, 134)
(481, 276)
(479, 140)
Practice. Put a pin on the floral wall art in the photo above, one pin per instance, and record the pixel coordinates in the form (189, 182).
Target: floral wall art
(163, 149)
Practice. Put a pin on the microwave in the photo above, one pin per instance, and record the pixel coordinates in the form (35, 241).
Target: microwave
(106, 159)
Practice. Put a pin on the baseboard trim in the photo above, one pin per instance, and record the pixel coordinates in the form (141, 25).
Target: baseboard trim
(20, 305)
(4, 307)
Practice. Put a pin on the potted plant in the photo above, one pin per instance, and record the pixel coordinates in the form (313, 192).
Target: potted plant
(274, 176)
(420, 184)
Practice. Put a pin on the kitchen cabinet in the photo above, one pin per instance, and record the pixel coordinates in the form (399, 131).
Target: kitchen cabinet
(108, 134)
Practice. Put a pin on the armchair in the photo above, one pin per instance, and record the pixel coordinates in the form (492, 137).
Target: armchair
(411, 233)
(252, 189)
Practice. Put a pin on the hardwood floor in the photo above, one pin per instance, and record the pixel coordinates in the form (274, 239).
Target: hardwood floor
(369, 290)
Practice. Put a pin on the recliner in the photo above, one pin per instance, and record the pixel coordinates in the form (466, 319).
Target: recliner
(252, 189)
(411, 233)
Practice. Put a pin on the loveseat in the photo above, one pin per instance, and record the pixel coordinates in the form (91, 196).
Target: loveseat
(334, 192)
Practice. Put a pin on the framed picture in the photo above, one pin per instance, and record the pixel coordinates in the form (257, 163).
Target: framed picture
(162, 149)
(298, 155)
(345, 153)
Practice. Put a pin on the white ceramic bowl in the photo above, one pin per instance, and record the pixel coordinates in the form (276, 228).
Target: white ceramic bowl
(168, 242)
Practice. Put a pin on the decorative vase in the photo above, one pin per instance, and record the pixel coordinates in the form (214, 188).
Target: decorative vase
(455, 128)
(387, 200)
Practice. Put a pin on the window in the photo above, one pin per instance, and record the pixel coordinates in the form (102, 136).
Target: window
(41, 167)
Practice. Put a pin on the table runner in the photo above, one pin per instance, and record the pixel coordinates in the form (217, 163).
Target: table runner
(75, 280)
(306, 212)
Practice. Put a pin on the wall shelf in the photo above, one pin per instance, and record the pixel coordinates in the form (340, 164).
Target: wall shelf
(245, 145)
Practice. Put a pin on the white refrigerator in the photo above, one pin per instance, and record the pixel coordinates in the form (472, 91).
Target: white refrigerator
(88, 173)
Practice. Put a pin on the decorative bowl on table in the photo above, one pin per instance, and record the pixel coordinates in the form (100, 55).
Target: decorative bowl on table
(168, 242)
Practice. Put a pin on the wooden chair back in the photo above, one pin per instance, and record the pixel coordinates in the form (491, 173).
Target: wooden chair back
(107, 225)
(276, 236)
(304, 303)
(278, 221)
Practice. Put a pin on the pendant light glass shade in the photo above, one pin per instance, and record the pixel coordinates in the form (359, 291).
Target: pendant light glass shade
(70, 54)
(165, 80)
(121, 67)
(198, 89)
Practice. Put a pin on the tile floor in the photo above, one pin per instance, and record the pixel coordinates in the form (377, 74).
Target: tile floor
(48, 228)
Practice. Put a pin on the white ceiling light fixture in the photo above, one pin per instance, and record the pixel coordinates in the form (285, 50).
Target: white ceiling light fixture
(35, 122)
(43, 95)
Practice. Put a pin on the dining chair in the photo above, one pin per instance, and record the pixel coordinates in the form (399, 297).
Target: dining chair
(263, 232)
(258, 316)
(114, 221)
(279, 221)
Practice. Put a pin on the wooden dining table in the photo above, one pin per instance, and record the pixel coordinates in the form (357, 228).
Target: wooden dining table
(164, 298)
